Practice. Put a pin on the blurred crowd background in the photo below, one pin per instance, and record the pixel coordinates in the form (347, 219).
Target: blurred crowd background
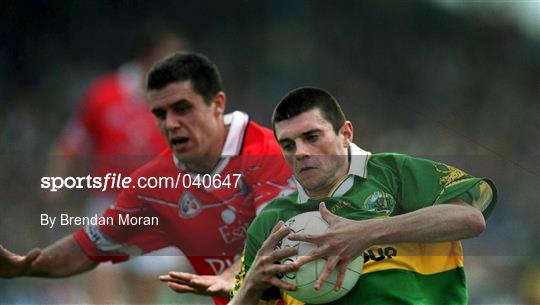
(453, 81)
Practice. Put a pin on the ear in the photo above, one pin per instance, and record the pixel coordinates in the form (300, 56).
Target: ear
(346, 131)
(219, 102)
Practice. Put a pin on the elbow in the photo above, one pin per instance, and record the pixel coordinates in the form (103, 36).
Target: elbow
(476, 223)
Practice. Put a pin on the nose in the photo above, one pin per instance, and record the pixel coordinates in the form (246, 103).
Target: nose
(302, 150)
(171, 121)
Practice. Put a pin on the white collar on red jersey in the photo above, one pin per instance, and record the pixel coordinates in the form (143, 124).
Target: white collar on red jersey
(357, 167)
(237, 122)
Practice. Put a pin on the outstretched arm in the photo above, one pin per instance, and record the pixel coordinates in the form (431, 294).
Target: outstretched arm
(220, 284)
(61, 259)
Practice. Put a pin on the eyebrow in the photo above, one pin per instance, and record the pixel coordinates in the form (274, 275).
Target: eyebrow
(174, 104)
(307, 133)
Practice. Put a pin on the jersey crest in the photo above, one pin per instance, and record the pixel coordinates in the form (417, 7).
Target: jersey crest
(380, 202)
(189, 206)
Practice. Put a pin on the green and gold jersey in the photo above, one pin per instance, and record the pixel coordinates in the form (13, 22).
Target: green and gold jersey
(385, 185)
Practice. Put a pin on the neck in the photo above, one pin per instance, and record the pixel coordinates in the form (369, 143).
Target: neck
(203, 166)
(327, 192)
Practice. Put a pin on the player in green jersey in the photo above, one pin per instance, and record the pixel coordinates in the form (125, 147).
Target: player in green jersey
(405, 215)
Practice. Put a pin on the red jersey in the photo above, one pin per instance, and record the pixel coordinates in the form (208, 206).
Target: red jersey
(113, 125)
(208, 225)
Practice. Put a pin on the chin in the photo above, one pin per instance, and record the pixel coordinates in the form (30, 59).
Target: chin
(309, 185)
(184, 156)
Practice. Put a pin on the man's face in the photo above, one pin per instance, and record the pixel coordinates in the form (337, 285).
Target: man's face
(191, 127)
(317, 155)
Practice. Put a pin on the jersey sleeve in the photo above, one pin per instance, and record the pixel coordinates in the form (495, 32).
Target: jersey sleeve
(122, 239)
(424, 182)
(268, 175)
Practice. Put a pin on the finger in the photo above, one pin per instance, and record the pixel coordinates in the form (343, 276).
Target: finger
(305, 259)
(201, 282)
(168, 278)
(280, 268)
(326, 215)
(31, 256)
(327, 270)
(310, 238)
(180, 288)
(165, 278)
(311, 256)
(183, 276)
(281, 284)
(277, 226)
(5, 252)
(280, 254)
(180, 277)
(342, 269)
(271, 242)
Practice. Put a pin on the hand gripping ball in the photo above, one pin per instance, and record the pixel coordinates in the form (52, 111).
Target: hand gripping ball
(306, 276)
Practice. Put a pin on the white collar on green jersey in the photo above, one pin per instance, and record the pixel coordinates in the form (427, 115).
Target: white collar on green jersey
(357, 167)
(237, 122)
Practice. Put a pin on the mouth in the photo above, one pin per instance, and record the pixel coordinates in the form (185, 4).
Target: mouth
(305, 169)
(178, 143)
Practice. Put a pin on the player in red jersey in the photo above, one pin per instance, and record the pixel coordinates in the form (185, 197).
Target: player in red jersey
(112, 128)
(207, 224)
(112, 131)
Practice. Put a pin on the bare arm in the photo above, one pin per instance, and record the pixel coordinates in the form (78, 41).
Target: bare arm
(61, 259)
(347, 239)
(439, 223)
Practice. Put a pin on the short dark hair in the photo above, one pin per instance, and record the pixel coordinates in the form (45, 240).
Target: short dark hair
(182, 66)
(304, 99)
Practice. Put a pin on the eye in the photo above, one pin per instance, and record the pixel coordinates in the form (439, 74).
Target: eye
(287, 146)
(312, 138)
(159, 114)
(182, 109)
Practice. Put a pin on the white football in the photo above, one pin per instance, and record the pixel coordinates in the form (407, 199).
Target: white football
(306, 276)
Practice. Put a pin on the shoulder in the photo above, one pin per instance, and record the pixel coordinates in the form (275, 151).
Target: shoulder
(159, 165)
(388, 160)
(271, 214)
(280, 203)
(402, 161)
(259, 140)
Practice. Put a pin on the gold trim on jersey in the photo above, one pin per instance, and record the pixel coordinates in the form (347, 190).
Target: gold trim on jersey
(289, 300)
(336, 185)
(421, 258)
(482, 200)
(451, 173)
(239, 277)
